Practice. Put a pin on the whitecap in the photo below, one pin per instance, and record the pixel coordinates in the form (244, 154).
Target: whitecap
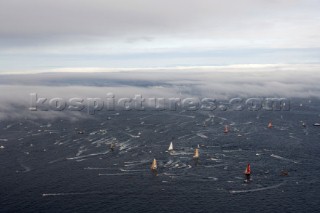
(282, 158)
(256, 190)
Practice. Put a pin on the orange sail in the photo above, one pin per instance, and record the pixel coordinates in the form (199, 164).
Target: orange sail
(270, 125)
(154, 165)
(248, 170)
(196, 154)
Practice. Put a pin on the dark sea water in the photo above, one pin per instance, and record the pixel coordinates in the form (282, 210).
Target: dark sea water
(46, 166)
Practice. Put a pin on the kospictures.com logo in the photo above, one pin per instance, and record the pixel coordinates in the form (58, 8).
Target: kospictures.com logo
(137, 102)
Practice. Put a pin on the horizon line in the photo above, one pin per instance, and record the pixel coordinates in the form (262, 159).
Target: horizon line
(206, 68)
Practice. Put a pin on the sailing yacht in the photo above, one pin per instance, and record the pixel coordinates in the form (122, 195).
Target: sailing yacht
(112, 146)
(154, 165)
(226, 129)
(170, 147)
(247, 172)
(196, 154)
(270, 125)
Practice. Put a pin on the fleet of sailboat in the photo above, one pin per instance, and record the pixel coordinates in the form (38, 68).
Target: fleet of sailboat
(154, 165)
(247, 171)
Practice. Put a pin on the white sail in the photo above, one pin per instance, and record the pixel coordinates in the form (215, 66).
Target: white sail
(170, 147)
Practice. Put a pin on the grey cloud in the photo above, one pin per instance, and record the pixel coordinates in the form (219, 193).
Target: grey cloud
(142, 18)
(289, 81)
(34, 32)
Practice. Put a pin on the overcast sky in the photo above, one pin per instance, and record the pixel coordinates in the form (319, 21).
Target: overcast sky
(50, 34)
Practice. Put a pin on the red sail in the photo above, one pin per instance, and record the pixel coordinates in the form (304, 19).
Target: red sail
(248, 170)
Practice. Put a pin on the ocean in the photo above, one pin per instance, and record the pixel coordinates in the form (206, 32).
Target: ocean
(66, 165)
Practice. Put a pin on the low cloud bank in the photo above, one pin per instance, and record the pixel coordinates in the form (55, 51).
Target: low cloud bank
(287, 81)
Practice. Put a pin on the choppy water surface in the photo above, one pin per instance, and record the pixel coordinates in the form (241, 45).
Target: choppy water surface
(46, 165)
